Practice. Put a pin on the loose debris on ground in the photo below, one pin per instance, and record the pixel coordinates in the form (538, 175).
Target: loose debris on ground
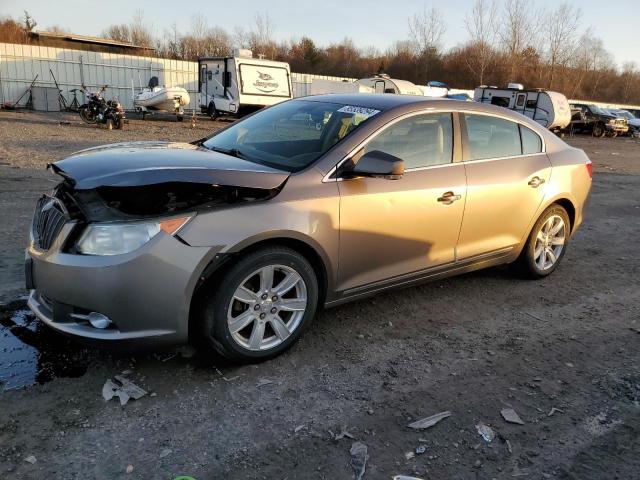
(510, 415)
(429, 421)
(486, 432)
(122, 388)
(359, 457)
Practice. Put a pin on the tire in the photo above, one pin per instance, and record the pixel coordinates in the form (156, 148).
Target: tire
(598, 130)
(86, 116)
(180, 118)
(221, 306)
(530, 262)
(212, 112)
(120, 124)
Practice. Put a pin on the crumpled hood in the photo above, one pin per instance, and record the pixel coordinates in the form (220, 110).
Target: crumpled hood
(146, 163)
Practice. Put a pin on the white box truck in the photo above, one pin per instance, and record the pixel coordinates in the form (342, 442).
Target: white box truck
(240, 84)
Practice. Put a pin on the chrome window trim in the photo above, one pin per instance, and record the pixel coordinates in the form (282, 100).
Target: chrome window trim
(353, 151)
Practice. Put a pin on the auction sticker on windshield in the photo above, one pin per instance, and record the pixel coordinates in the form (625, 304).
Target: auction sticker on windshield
(360, 111)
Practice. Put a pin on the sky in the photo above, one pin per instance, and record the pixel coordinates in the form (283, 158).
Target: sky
(367, 23)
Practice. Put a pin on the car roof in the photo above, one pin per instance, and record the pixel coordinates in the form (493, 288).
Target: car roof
(370, 100)
(405, 103)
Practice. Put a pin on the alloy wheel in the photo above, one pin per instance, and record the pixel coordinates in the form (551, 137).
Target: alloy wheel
(267, 307)
(550, 241)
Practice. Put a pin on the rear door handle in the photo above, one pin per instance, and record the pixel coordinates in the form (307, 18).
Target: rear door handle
(536, 181)
(449, 197)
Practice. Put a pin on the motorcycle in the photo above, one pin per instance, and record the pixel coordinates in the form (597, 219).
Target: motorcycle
(99, 110)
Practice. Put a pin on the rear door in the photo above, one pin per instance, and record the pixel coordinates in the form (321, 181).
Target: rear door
(507, 173)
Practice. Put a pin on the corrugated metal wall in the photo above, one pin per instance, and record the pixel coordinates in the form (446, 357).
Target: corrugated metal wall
(19, 64)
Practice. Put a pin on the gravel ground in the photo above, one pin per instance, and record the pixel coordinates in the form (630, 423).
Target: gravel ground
(563, 352)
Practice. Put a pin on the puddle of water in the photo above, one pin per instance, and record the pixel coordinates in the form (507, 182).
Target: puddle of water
(31, 353)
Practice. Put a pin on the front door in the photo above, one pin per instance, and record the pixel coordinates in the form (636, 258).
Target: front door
(396, 227)
(507, 173)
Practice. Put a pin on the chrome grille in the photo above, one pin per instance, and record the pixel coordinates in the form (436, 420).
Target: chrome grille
(48, 219)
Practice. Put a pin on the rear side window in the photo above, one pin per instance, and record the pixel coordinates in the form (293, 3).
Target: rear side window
(420, 140)
(491, 137)
(531, 142)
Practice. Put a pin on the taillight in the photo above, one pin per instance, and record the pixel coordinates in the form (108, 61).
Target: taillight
(590, 168)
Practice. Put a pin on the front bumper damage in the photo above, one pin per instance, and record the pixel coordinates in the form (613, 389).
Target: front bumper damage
(146, 293)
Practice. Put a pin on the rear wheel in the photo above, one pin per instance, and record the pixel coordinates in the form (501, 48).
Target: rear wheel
(261, 306)
(546, 244)
(87, 116)
(598, 130)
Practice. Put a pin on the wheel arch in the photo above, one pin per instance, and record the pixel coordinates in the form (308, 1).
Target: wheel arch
(214, 271)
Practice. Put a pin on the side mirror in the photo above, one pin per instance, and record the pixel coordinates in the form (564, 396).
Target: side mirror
(377, 164)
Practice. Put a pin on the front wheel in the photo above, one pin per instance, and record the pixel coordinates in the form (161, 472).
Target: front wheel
(546, 244)
(261, 306)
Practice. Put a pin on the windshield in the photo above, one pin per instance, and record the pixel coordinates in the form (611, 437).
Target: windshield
(598, 110)
(291, 135)
(625, 114)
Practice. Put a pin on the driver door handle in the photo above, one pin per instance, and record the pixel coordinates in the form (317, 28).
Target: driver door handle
(535, 182)
(448, 198)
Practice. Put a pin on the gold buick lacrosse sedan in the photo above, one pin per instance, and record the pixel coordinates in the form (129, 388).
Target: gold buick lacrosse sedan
(235, 240)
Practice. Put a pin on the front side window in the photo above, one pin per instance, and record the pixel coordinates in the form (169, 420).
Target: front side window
(291, 135)
(420, 140)
(492, 137)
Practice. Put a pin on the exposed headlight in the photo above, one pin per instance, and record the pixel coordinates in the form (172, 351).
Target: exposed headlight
(612, 121)
(123, 237)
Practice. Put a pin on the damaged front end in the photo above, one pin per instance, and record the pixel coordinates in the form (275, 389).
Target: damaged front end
(145, 189)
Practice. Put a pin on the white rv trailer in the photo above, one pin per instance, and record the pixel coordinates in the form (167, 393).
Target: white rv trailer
(320, 86)
(549, 109)
(240, 83)
(382, 83)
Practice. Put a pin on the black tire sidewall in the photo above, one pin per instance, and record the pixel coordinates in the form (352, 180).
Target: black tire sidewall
(529, 256)
(214, 328)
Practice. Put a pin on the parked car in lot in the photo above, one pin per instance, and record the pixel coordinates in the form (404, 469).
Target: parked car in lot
(597, 121)
(632, 121)
(236, 240)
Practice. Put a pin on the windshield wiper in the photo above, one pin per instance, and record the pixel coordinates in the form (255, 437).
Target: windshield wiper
(234, 152)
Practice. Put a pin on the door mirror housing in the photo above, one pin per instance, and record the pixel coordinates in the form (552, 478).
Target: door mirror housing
(377, 164)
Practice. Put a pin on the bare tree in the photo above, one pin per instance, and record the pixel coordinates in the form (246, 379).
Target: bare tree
(427, 29)
(516, 31)
(560, 32)
(136, 33)
(29, 22)
(481, 28)
(140, 33)
(260, 38)
(630, 79)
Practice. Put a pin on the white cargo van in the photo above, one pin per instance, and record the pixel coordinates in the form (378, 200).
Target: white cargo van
(240, 84)
(549, 109)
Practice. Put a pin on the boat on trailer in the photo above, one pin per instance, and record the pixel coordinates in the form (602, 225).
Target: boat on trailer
(164, 99)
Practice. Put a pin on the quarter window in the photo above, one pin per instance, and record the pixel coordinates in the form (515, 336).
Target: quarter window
(420, 141)
(531, 142)
(492, 137)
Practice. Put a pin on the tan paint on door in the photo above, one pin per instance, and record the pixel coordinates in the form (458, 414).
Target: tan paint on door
(393, 227)
(500, 202)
